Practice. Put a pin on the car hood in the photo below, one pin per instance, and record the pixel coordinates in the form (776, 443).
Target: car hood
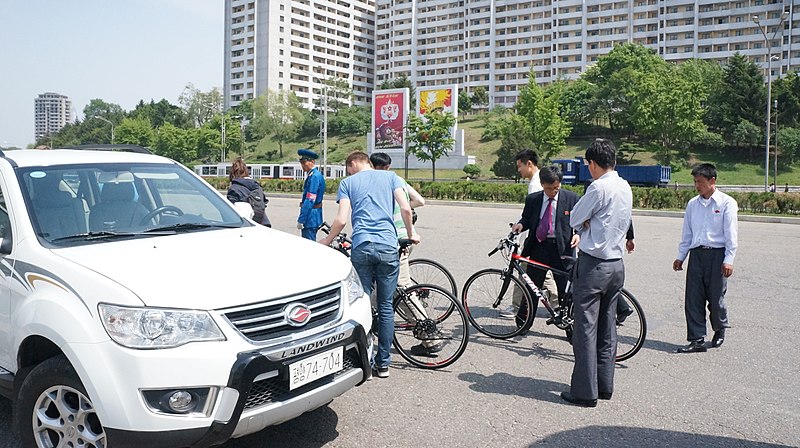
(213, 269)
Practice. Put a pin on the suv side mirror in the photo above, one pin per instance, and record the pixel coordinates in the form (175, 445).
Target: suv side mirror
(244, 209)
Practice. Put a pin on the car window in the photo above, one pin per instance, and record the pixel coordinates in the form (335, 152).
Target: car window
(64, 201)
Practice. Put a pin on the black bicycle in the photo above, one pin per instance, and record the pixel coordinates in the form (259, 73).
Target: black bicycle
(499, 304)
(430, 326)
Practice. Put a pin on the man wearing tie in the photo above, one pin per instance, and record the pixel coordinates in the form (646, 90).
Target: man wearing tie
(548, 212)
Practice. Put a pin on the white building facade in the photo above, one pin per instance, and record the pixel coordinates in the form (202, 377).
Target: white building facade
(293, 45)
(495, 43)
(51, 112)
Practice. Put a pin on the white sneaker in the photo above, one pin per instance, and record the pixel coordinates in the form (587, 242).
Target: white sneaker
(509, 313)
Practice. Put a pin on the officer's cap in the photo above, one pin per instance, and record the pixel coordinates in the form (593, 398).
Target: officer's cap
(307, 154)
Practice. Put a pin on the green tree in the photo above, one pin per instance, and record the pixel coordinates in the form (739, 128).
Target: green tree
(429, 136)
(542, 113)
(579, 101)
(515, 138)
(110, 111)
(741, 96)
(135, 131)
(617, 76)
(339, 95)
(401, 83)
(278, 115)
(668, 108)
(159, 113)
(786, 91)
(746, 134)
(200, 106)
(789, 146)
(464, 102)
(173, 142)
(352, 120)
(473, 171)
(480, 97)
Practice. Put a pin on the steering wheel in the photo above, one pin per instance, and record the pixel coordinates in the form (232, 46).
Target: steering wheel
(160, 211)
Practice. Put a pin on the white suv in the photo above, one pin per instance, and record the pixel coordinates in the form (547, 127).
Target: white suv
(138, 308)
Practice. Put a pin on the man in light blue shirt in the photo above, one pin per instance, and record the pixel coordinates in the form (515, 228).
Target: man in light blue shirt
(367, 198)
(601, 218)
(710, 233)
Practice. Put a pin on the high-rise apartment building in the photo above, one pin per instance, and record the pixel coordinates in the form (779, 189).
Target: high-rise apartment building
(51, 112)
(495, 43)
(293, 45)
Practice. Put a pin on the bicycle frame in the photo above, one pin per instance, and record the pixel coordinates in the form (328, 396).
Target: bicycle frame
(515, 263)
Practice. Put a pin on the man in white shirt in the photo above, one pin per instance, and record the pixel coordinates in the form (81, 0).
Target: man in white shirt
(528, 168)
(710, 233)
(601, 218)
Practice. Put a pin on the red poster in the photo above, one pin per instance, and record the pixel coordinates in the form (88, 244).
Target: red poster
(389, 116)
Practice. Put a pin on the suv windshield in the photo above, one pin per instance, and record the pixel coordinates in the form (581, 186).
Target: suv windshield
(100, 201)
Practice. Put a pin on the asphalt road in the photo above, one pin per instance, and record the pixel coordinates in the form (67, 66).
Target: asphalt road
(505, 393)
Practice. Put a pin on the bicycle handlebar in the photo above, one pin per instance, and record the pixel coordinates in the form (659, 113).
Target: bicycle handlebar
(507, 242)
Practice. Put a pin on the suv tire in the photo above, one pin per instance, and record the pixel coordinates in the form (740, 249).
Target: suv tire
(54, 409)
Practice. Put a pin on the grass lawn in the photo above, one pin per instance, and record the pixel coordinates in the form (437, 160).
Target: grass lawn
(733, 168)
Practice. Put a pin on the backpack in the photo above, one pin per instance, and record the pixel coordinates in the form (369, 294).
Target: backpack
(258, 202)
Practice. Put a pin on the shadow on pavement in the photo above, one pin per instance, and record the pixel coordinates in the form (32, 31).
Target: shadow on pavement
(503, 383)
(311, 430)
(617, 436)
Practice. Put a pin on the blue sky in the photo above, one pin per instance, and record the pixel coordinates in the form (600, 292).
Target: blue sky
(120, 51)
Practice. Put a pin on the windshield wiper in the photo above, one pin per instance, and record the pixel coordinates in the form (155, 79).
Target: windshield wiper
(103, 234)
(190, 226)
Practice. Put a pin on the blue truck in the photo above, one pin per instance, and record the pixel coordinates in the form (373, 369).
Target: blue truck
(576, 172)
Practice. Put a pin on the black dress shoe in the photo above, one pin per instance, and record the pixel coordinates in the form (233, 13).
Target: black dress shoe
(577, 401)
(604, 395)
(719, 338)
(624, 315)
(693, 347)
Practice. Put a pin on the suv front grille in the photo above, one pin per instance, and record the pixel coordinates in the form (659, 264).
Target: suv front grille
(266, 320)
(276, 389)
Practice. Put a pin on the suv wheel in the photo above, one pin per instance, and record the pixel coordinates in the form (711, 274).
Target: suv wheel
(54, 410)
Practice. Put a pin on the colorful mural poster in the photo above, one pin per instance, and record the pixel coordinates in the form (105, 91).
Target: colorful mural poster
(389, 111)
(439, 97)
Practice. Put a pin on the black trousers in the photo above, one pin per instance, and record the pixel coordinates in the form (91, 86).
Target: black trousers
(705, 286)
(594, 337)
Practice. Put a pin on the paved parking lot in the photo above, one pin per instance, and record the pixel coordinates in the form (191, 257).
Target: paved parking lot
(505, 393)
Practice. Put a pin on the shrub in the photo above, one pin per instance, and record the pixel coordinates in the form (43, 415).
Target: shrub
(472, 170)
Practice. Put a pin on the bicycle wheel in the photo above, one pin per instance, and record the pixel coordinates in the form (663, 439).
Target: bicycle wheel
(488, 300)
(423, 341)
(632, 330)
(430, 272)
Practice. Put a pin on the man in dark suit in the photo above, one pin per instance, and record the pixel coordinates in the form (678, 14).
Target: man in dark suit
(546, 214)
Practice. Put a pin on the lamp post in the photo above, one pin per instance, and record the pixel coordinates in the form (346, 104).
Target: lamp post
(767, 43)
(109, 122)
(324, 105)
(775, 167)
(223, 134)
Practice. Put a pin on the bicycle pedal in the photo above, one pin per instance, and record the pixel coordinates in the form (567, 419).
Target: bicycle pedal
(550, 321)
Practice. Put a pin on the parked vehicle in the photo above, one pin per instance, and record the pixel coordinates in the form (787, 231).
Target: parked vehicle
(138, 308)
(576, 172)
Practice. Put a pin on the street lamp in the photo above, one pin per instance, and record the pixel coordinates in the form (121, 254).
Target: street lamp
(767, 43)
(223, 135)
(324, 106)
(109, 122)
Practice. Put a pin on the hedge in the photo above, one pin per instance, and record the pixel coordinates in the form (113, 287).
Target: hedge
(643, 198)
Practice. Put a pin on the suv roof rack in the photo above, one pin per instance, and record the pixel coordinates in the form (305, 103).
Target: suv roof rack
(117, 147)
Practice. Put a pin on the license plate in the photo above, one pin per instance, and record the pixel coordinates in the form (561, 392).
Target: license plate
(315, 367)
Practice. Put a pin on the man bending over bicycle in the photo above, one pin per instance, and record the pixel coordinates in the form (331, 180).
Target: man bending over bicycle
(382, 161)
(367, 197)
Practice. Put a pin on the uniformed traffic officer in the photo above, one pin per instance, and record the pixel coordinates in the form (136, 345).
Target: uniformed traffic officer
(310, 218)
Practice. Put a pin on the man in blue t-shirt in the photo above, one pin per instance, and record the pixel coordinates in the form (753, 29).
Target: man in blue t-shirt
(367, 198)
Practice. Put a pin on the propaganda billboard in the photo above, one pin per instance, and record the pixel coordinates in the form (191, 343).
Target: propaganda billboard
(444, 98)
(389, 113)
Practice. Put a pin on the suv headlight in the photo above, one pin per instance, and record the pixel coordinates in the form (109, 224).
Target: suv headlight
(152, 328)
(353, 286)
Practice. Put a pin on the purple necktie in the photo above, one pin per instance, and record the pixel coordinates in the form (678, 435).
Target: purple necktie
(544, 225)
